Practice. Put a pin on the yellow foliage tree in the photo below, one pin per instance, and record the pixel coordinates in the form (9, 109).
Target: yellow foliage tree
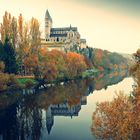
(120, 118)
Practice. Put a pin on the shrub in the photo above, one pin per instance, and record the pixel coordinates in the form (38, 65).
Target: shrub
(29, 83)
(2, 66)
(13, 82)
(4, 78)
(8, 81)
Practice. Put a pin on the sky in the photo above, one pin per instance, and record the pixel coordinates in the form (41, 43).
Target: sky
(112, 25)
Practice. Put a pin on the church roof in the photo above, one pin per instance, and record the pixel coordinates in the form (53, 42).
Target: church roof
(64, 29)
(58, 35)
(48, 15)
(49, 125)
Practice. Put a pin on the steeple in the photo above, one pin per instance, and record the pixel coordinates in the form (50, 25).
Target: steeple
(70, 27)
(48, 24)
(47, 15)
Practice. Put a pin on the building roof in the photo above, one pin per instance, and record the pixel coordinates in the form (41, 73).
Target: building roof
(47, 15)
(64, 29)
(83, 40)
(58, 35)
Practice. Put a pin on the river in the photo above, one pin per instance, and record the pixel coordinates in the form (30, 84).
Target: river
(62, 112)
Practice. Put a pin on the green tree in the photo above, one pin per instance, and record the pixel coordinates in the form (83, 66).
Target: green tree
(1, 51)
(9, 57)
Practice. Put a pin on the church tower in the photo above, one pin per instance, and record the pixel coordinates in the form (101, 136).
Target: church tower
(48, 25)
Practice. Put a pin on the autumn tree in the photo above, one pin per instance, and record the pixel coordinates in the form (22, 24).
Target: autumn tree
(113, 120)
(120, 118)
(52, 65)
(23, 43)
(5, 26)
(135, 71)
(31, 63)
(9, 29)
(28, 41)
(43, 66)
(58, 60)
(34, 34)
(14, 32)
(75, 64)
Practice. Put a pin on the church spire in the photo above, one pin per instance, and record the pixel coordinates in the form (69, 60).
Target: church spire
(47, 15)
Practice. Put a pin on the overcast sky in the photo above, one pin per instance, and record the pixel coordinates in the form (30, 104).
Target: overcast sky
(107, 24)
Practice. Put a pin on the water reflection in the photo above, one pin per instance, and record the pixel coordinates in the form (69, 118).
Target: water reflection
(29, 116)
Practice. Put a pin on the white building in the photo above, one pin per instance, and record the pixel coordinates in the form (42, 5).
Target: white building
(60, 38)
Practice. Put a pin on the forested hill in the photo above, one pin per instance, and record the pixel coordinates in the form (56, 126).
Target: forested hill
(105, 60)
(129, 58)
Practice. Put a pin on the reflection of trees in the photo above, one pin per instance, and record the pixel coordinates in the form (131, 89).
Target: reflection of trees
(21, 115)
(7, 99)
(70, 92)
(20, 121)
(29, 121)
(104, 80)
(8, 126)
(120, 118)
(23, 119)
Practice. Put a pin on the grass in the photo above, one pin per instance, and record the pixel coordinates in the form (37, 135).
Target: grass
(29, 81)
(26, 82)
(89, 73)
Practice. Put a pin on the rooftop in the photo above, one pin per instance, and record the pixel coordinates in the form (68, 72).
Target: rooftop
(58, 35)
(64, 29)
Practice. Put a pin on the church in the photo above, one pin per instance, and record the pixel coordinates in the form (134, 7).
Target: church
(61, 38)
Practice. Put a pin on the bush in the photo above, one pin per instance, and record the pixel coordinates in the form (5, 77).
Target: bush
(13, 82)
(29, 83)
(8, 81)
(2, 66)
(4, 78)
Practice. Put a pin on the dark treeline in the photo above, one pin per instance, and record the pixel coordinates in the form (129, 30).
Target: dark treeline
(105, 60)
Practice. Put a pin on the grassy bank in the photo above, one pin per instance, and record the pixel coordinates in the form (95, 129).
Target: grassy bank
(26, 82)
(29, 81)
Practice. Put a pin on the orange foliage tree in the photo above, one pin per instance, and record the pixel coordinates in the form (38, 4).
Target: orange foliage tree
(56, 61)
(55, 64)
(113, 120)
(75, 64)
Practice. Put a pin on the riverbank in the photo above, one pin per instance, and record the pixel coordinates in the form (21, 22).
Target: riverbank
(18, 82)
(30, 82)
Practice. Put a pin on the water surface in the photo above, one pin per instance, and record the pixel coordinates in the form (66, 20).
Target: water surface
(60, 112)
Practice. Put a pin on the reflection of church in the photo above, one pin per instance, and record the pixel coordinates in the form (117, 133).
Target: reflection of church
(63, 109)
(25, 116)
